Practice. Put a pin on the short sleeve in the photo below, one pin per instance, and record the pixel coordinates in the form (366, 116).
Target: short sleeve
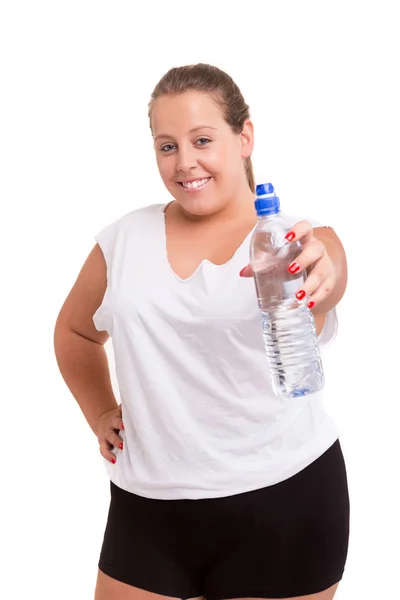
(330, 327)
(106, 239)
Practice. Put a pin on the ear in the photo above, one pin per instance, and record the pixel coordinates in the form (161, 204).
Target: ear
(247, 138)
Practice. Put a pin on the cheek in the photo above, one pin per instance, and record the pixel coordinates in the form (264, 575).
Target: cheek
(228, 160)
(217, 161)
(210, 161)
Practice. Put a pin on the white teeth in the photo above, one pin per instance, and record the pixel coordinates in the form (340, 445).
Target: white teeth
(195, 184)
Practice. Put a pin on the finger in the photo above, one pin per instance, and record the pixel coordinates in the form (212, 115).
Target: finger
(312, 284)
(314, 280)
(114, 439)
(247, 271)
(312, 252)
(303, 230)
(106, 451)
(117, 423)
(323, 291)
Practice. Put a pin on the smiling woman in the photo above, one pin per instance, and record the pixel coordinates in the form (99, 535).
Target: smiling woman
(207, 159)
(199, 420)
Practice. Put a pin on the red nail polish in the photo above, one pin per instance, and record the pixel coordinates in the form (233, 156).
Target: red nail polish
(311, 304)
(113, 461)
(300, 294)
(121, 445)
(290, 236)
(294, 267)
(242, 271)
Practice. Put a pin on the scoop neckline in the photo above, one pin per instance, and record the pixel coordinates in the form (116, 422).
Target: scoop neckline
(205, 260)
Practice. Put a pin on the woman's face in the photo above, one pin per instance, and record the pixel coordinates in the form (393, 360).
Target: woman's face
(200, 158)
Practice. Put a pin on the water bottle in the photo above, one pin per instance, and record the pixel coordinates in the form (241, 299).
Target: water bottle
(288, 325)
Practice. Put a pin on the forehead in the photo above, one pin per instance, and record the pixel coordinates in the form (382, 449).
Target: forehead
(174, 114)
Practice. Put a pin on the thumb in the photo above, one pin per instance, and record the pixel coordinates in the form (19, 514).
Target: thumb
(246, 272)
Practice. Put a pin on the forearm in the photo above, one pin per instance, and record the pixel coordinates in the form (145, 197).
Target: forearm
(84, 367)
(337, 255)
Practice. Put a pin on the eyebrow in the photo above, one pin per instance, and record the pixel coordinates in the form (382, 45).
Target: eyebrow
(164, 135)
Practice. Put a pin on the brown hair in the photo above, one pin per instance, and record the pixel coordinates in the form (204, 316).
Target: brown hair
(222, 89)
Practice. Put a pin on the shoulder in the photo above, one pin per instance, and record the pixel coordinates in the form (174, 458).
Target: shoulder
(127, 224)
(138, 215)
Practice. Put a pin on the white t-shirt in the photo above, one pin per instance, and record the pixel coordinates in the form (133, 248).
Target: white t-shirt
(201, 419)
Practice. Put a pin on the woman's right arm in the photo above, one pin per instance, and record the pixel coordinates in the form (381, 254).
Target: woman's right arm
(79, 347)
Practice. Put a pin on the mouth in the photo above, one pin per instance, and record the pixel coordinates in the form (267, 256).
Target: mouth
(195, 185)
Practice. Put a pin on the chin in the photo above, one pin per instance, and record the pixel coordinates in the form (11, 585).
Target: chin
(199, 207)
(199, 203)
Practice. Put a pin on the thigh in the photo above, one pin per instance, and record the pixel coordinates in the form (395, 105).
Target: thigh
(108, 588)
(296, 539)
(325, 595)
(143, 550)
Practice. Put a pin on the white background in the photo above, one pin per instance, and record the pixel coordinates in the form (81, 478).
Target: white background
(76, 152)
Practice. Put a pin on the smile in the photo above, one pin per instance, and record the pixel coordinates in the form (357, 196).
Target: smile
(194, 186)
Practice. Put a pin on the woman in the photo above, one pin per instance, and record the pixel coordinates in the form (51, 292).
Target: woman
(219, 489)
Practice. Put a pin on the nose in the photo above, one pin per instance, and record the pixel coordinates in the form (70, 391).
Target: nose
(186, 159)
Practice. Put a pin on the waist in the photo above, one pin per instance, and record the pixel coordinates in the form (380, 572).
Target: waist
(171, 458)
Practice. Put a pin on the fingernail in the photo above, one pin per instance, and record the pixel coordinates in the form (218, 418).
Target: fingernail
(300, 294)
(242, 271)
(122, 426)
(311, 304)
(294, 267)
(121, 445)
(113, 461)
(290, 236)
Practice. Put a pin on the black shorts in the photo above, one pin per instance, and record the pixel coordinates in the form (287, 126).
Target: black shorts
(289, 539)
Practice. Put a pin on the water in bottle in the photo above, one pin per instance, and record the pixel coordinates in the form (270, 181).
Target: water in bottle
(288, 324)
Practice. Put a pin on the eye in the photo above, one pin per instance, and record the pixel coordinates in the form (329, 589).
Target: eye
(167, 148)
(203, 141)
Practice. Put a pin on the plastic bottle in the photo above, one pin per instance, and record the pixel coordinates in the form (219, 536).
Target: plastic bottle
(288, 325)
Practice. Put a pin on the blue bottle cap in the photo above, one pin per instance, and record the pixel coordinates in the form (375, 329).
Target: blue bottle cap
(264, 188)
(267, 203)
